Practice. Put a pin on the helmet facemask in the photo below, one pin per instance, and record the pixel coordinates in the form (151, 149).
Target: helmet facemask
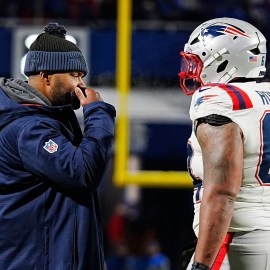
(191, 68)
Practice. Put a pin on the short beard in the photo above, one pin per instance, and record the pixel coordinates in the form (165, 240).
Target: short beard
(74, 101)
(60, 98)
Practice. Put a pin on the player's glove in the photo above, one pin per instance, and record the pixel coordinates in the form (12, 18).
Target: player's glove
(199, 266)
(186, 254)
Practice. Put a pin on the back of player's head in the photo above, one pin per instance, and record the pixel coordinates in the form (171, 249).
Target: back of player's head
(220, 50)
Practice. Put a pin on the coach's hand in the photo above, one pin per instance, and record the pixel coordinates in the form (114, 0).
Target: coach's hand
(87, 96)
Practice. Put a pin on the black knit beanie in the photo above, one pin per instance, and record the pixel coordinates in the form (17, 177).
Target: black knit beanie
(53, 53)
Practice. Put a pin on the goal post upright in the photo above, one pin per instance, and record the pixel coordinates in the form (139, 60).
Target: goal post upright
(122, 176)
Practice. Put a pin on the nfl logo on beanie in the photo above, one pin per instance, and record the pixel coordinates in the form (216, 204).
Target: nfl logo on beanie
(53, 53)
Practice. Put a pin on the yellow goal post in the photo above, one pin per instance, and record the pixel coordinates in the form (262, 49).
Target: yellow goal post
(122, 175)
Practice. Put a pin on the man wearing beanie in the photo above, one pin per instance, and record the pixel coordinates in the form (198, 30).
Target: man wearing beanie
(49, 170)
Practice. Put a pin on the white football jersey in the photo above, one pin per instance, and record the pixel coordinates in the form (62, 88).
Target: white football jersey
(248, 105)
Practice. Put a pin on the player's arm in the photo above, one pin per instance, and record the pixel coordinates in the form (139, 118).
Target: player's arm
(222, 152)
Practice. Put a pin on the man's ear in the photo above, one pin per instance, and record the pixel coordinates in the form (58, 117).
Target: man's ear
(46, 77)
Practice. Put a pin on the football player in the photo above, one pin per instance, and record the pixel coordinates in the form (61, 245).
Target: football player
(229, 148)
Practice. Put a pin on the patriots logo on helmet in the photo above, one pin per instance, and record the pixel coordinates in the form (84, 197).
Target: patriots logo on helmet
(219, 30)
(50, 146)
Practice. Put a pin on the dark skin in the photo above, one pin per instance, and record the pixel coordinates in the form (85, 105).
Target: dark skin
(222, 153)
(64, 88)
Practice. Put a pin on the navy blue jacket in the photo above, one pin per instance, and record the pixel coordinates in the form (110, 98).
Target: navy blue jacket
(49, 173)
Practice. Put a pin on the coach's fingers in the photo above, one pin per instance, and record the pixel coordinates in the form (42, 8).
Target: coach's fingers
(98, 97)
(92, 95)
(87, 95)
(80, 95)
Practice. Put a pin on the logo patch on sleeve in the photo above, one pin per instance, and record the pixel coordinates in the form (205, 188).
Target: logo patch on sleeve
(50, 146)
